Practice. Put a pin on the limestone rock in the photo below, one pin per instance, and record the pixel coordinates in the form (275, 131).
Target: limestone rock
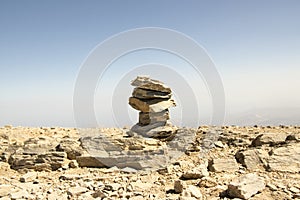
(39, 162)
(77, 190)
(194, 191)
(71, 147)
(89, 161)
(146, 118)
(39, 145)
(223, 165)
(156, 130)
(269, 138)
(294, 190)
(140, 186)
(285, 159)
(153, 105)
(196, 173)
(246, 186)
(149, 94)
(150, 84)
(252, 158)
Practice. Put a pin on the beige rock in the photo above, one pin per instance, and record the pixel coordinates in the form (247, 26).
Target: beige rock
(294, 190)
(271, 186)
(150, 84)
(196, 173)
(246, 186)
(207, 182)
(141, 186)
(71, 146)
(154, 105)
(252, 159)
(285, 159)
(269, 138)
(77, 190)
(146, 118)
(39, 162)
(140, 80)
(194, 191)
(219, 144)
(223, 165)
(89, 161)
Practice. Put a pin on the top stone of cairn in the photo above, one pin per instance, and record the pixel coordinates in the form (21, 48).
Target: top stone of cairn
(145, 82)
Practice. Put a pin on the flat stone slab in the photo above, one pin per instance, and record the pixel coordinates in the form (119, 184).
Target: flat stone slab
(146, 118)
(145, 82)
(153, 105)
(223, 165)
(269, 138)
(150, 94)
(156, 130)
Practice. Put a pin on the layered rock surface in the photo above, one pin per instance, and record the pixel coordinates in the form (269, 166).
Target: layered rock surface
(153, 99)
(221, 163)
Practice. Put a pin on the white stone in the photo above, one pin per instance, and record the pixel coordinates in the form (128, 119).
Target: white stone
(195, 191)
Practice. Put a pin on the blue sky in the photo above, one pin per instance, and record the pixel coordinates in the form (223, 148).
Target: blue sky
(255, 46)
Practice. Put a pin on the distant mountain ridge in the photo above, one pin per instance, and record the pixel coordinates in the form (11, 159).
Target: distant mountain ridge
(265, 116)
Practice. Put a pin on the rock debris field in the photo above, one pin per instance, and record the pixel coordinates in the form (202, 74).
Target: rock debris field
(228, 162)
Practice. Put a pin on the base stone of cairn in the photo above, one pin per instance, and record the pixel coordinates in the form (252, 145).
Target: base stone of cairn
(153, 99)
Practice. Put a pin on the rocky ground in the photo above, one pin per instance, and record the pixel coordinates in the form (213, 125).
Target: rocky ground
(227, 162)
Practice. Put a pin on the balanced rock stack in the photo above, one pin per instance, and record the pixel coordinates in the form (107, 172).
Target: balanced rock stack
(153, 99)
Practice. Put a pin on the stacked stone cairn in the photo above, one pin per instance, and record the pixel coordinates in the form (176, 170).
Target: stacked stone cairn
(153, 99)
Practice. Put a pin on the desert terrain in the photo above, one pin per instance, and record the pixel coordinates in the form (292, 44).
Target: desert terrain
(227, 162)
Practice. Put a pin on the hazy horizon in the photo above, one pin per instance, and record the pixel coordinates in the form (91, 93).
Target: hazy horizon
(254, 45)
